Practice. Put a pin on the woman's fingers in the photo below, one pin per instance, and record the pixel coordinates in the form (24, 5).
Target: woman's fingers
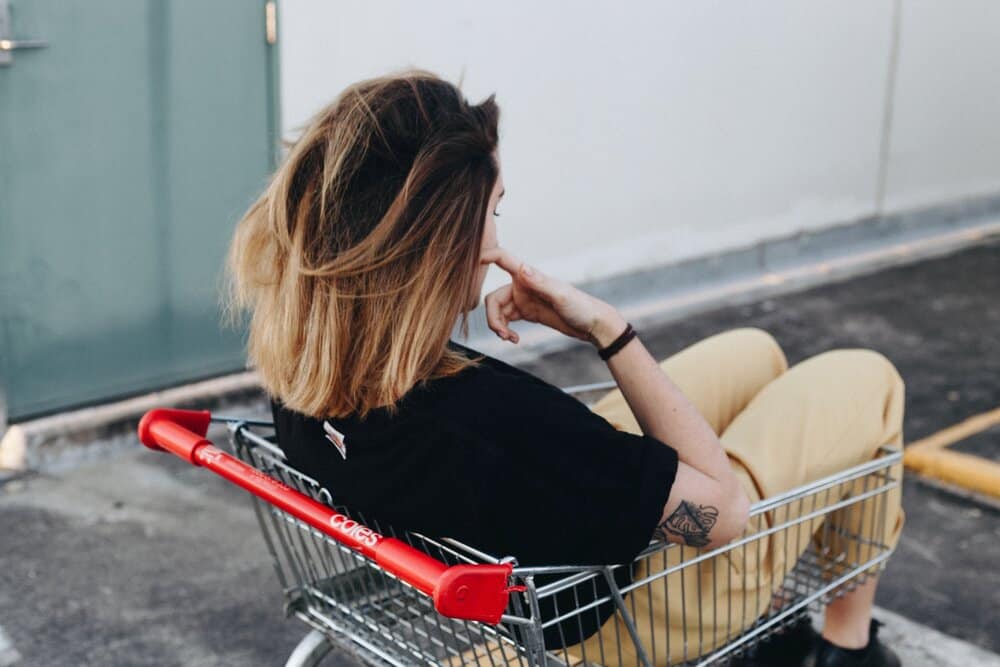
(498, 312)
(530, 277)
(511, 314)
(539, 283)
(494, 315)
(502, 258)
(536, 297)
(532, 296)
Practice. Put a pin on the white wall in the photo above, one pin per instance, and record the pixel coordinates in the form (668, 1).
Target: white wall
(636, 137)
(946, 112)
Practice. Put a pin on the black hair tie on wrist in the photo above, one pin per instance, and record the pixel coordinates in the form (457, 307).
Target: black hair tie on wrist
(618, 343)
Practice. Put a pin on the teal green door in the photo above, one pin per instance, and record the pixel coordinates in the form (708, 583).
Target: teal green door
(129, 147)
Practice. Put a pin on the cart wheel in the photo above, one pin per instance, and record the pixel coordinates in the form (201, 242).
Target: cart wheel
(310, 651)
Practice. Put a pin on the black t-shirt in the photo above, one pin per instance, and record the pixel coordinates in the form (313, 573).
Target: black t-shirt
(500, 460)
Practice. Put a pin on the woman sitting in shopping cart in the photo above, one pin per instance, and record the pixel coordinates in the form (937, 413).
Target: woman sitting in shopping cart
(372, 242)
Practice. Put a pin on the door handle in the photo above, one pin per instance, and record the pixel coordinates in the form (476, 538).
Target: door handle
(7, 43)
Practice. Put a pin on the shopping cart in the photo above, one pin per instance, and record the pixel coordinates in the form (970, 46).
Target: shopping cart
(411, 599)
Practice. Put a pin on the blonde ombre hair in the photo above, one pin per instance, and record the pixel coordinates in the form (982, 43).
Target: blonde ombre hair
(360, 256)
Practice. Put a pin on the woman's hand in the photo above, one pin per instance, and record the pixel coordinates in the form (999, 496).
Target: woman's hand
(536, 297)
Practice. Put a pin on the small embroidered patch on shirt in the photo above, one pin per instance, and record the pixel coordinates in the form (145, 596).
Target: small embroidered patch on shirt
(337, 438)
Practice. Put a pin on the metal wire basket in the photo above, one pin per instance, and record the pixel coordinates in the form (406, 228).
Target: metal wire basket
(409, 599)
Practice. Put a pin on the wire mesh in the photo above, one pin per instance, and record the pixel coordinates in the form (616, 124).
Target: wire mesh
(673, 605)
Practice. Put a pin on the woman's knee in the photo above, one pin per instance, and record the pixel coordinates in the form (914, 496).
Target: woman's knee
(736, 357)
(745, 343)
(872, 376)
(861, 363)
(894, 390)
(758, 343)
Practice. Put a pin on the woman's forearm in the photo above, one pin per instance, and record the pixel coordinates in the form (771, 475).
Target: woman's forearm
(662, 411)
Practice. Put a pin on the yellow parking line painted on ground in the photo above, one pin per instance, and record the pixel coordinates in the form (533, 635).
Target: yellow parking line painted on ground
(970, 472)
(974, 473)
(959, 431)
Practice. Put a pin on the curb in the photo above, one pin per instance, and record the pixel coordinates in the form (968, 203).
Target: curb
(30, 444)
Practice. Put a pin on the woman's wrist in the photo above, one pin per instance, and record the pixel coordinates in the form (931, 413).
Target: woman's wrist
(608, 325)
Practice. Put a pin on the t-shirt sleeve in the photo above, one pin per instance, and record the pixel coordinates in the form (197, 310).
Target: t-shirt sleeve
(567, 486)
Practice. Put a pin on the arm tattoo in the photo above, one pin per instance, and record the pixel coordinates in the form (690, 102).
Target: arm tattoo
(690, 522)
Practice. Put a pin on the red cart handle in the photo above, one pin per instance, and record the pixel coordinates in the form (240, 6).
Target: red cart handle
(470, 592)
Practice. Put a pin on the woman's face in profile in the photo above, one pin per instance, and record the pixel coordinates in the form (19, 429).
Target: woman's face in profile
(489, 235)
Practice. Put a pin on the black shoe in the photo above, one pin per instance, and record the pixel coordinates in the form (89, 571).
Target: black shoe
(787, 648)
(876, 654)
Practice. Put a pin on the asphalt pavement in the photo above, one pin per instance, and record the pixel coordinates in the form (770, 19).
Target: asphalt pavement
(131, 557)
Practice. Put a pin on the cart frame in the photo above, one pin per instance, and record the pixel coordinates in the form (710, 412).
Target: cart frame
(413, 599)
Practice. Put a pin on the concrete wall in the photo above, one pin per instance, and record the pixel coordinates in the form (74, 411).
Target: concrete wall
(945, 132)
(638, 137)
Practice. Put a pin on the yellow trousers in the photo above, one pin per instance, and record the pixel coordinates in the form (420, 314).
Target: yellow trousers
(781, 427)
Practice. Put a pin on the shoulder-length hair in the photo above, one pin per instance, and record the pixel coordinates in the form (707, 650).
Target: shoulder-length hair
(360, 256)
